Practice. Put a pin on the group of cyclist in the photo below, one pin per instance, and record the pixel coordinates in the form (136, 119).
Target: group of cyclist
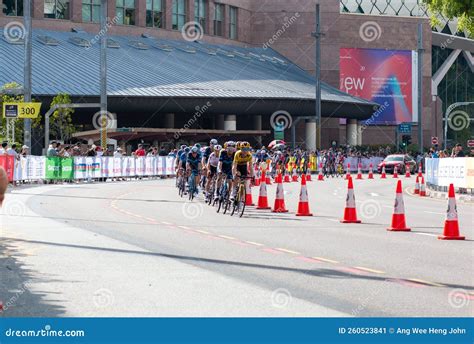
(215, 164)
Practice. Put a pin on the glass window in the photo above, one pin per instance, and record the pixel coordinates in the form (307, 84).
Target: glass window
(91, 11)
(200, 14)
(125, 12)
(233, 23)
(179, 14)
(12, 7)
(56, 9)
(219, 20)
(154, 13)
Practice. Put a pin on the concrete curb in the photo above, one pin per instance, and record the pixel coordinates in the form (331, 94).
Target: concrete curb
(444, 195)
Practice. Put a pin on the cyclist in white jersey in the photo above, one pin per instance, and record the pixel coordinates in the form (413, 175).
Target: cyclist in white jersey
(212, 163)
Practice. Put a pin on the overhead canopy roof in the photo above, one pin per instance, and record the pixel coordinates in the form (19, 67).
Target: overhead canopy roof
(149, 71)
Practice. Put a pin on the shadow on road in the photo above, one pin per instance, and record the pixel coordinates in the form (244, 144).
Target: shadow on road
(17, 299)
(328, 273)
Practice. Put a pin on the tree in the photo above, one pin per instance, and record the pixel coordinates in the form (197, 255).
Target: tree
(61, 124)
(463, 10)
(17, 123)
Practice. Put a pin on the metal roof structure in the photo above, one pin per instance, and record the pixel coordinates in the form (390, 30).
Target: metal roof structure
(148, 69)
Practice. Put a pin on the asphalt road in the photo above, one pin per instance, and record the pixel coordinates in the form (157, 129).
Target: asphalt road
(263, 264)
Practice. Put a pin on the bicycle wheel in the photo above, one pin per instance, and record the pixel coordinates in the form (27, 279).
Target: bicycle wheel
(191, 187)
(222, 196)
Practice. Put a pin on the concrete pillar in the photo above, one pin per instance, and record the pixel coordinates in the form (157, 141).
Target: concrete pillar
(169, 120)
(257, 125)
(168, 14)
(360, 128)
(220, 122)
(230, 122)
(310, 137)
(140, 13)
(38, 9)
(351, 132)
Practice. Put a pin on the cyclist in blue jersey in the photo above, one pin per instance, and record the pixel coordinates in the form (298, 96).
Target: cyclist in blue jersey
(193, 162)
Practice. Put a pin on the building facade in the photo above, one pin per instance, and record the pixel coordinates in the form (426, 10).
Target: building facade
(283, 25)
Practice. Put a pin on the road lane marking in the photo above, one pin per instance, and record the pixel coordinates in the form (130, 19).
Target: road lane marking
(308, 260)
(166, 223)
(427, 234)
(287, 251)
(226, 237)
(201, 231)
(351, 270)
(406, 283)
(326, 260)
(150, 219)
(254, 243)
(333, 220)
(374, 194)
(434, 212)
(184, 227)
(416, 280)
(369, 270)
(270, 250)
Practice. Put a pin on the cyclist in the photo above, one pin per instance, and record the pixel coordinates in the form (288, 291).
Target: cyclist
(226, 159)
(178, 155)
(193, 162)
(242, 165)
(212, 163)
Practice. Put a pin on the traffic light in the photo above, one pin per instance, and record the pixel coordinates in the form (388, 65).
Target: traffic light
(406, 140)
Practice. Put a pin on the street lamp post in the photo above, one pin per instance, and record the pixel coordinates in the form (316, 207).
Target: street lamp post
(317, 34)
(27, 68)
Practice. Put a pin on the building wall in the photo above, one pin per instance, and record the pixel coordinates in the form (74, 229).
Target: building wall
(285, 26)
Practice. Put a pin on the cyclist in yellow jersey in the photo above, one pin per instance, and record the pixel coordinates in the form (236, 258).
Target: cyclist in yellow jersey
(242, 165)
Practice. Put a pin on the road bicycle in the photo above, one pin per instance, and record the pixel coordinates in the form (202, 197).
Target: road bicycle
(240, 197)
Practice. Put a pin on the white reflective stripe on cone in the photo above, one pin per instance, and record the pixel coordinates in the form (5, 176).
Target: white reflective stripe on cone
(279, 191)
(303, 194)
(350, 200)
(399, 206)
(452, 213)
(263, 189)
(247, 186)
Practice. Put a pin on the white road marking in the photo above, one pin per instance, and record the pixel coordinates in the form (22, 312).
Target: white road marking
(434, 212)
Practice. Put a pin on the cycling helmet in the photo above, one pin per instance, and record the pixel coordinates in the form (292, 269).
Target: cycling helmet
(187, 149)
(213, 142)
(217, 147)
(231, 144)
(182, 147)
(198, 145)
(194, 149)
(245, 146)
(237, 145)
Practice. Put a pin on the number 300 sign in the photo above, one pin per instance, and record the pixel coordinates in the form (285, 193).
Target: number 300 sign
(21, 110)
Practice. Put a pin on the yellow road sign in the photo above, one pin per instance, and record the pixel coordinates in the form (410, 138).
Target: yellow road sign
(21, 110)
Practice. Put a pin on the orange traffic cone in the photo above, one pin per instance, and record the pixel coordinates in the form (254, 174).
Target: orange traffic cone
(417, 186)
(257, 180)
(359, 171)
(451, 225)
(371, 172)
(350, 213)
(395, 172)
(420, 173)
(407, 171)
(287, 177)
(248, 194)
(303, 205)
(320, 174)
(398, 217)
(308, 176)
(268, 180)
(348, 171)
(383, 175)
(262, 195)
(422, 187)
(294, 177)
(279, 205)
